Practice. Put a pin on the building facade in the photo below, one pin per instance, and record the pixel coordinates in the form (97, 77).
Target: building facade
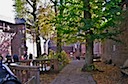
(12, 38)
(117, 51)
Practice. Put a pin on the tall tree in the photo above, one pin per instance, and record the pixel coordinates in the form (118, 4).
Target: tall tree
(58, 23)
(89, 20)
(89, 41)
(45, 16)
(34, 13)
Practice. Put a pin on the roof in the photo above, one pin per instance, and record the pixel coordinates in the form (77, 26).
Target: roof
(7, 19)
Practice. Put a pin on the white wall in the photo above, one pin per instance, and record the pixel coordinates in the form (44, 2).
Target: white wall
(32, 45)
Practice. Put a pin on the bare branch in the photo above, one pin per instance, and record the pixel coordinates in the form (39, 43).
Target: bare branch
(52, 1)
(29, 3)
(29, 12)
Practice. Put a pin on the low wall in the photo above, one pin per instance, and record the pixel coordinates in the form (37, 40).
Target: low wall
(27, 74)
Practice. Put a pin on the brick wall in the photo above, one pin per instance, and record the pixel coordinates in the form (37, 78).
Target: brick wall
(18, 41)
(118, 52)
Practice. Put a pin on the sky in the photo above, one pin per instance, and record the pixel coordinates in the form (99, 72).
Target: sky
(6, 10)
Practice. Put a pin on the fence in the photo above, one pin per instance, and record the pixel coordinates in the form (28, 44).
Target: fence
(29, 70)
(27, 74)
(45, 65)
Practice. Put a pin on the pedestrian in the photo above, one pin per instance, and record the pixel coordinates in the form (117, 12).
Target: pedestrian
(25, 55)
(8, 59)
(15, 58)
(30, 56)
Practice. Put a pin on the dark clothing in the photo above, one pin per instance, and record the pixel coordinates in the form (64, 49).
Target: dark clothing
(25, 56)
(16, 58)
(30, 56)
(9, 59)
(78, 58)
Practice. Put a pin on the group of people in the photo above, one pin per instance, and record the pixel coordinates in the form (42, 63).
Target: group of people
(6, 75)
(15, 58)
(11, 59)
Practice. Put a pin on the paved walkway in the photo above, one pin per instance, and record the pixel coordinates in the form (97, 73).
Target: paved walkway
(72, 74)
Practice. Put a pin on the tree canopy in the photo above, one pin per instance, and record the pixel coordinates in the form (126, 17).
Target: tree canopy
(87, 20)
(75, 20)
(33, 12)
(104, 18)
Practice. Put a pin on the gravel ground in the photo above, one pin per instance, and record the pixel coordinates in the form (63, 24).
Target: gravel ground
(108, 74)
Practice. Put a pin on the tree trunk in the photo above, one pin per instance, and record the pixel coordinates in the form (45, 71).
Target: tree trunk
(89, 42)
(59, 47)
(59, 40)
(38, 45)
(88, 55)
